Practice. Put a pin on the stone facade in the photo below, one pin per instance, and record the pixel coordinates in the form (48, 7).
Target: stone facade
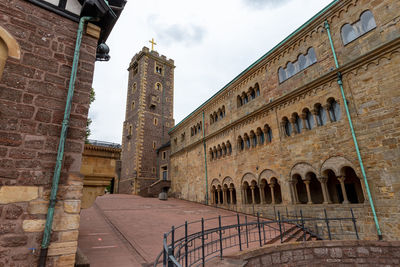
(277, 136)
(148, 117)
(33, 90)
(325, 253)
(99, 168)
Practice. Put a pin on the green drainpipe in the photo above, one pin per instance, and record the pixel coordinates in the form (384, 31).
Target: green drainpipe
(60, 154)
(339, 80)
(205, 158)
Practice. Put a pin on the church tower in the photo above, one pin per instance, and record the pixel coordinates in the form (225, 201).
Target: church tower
(148, 118)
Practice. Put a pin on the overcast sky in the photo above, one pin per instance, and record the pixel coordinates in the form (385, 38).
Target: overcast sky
(211, 42)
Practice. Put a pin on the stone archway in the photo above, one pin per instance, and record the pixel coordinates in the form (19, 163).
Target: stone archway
(8, 48)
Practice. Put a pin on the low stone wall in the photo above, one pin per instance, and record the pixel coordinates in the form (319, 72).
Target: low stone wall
(325, 253)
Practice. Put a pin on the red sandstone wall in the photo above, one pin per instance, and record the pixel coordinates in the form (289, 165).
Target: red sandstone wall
(33, 91)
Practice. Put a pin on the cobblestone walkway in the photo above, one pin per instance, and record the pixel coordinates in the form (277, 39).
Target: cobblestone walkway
(126, 230)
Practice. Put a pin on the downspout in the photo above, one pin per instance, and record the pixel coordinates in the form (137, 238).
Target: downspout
(60, 153)
(205, 158)
(353, 134)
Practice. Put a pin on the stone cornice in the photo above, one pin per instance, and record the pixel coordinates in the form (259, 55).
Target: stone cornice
(90, 149)
(331, 76)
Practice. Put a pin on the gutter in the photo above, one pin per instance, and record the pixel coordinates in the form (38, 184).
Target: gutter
(353, 134)
(60, 153)
(205, 158)
(100, 12)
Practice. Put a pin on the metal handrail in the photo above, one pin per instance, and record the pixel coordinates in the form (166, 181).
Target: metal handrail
(247, 232)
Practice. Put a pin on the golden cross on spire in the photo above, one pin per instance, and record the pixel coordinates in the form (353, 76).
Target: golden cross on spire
(152, 44)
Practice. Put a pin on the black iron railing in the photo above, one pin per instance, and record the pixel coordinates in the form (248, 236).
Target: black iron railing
(194, 243)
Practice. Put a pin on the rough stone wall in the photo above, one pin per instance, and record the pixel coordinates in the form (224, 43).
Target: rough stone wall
(325, 253)
(369, 67)
(99, 167)
(150, 122)
(33, 91)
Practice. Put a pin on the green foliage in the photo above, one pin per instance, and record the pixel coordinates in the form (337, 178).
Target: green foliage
(92, 97)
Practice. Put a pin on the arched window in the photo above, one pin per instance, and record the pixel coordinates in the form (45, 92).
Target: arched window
(268, 133)
(290, 70)
(282, 75)
(348, 34)
(287, 127)
(211, 119)
(309, 119)
(9, 47)
(158, 87)
(297, 123)
(302, 61)
(253, 139)
(211, 154)
(257, 89)
(221, 114)
(215, 117)
(134, 88)
(252, 94)
(229, 148)
(239, 101)
(367, 21)
(334, 110)
(321, 115)
(312, 58)
(215, 153)
(224, 150)
(247, 141)
(261, 136)
(240, 143)
(365, 24)
(245, 98)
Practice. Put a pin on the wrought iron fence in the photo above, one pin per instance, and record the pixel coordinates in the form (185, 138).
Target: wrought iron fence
(194, 243)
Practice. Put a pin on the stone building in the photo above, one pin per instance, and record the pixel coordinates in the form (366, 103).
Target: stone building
(279, 136)
(148, 118)
(101, 169)
(37, 43)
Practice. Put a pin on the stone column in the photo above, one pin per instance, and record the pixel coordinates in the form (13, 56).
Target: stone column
(231, 194)
(212, 197)
(341, 180)
(271, 186)
(253, 197)
(307, 182)
(244, 195)
(314, 112)
(283, 129)
(323, 180)
(293, 122)
(326, 107)
(294, 188)
(225, 196)
(262, 193)
(303, 118)
(218, 198)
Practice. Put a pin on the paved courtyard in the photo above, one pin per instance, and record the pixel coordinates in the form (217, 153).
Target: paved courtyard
(126, 230)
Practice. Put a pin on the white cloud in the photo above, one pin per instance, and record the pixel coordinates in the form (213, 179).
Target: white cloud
(210, 41)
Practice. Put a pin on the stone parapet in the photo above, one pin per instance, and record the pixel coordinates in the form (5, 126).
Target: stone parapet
(325, 253)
